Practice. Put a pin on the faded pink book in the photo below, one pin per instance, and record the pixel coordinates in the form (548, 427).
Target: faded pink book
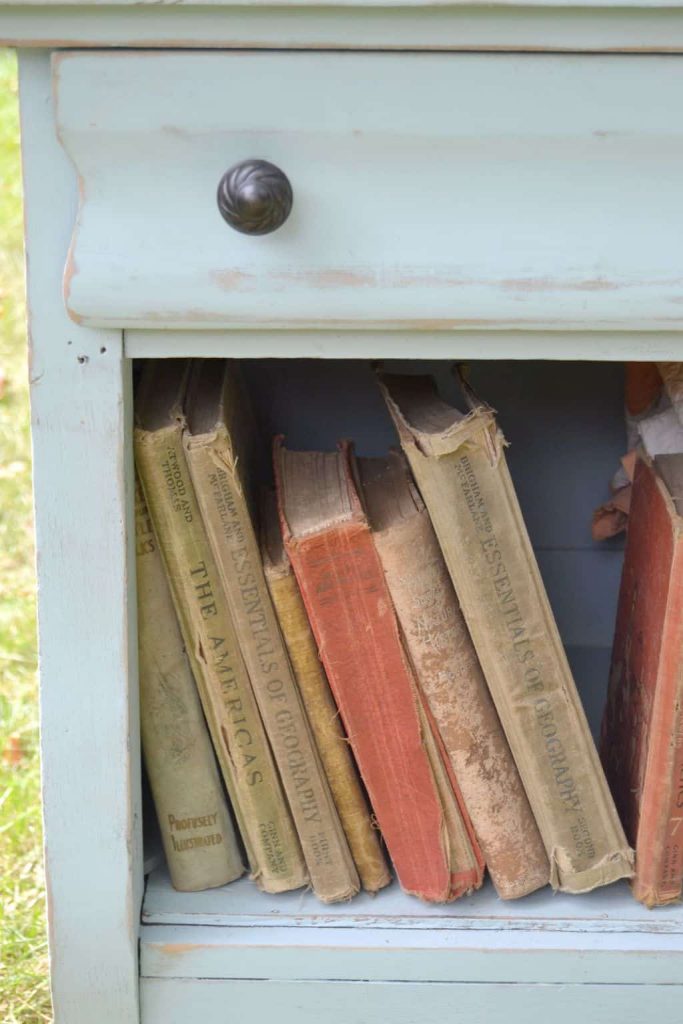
(450, 676)
(458, 462)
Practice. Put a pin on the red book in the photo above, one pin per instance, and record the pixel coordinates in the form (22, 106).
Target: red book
(332, 553)
(642, 729)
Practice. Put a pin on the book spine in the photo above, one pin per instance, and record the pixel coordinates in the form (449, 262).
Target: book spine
(196, 828)
(470, 496)
(226, 516)
(659, 844)
(450, 676)
(363, 837)
(464, 854)
(227, 699)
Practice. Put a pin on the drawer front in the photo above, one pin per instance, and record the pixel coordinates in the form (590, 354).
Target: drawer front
(431, 191)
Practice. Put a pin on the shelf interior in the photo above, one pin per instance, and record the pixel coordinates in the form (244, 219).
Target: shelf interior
(565, 426)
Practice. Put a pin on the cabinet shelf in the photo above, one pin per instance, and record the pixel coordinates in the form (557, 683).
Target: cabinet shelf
(549, 939)
(607, 911)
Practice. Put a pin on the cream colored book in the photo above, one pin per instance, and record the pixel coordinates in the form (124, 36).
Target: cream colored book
(449, 675)
(459, 465)
(194, 820)
(230, 708)
(217, 442)
(354, 811)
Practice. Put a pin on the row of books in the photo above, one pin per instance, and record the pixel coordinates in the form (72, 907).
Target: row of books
(369, 651)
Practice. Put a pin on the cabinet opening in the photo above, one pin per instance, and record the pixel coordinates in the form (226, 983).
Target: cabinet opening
(564, 424)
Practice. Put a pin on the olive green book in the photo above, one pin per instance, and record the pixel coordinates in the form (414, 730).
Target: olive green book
(217, 445)
(459, 465)
(230, 708)
(196, 828)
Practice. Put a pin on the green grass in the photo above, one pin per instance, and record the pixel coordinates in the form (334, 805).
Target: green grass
(24, 994)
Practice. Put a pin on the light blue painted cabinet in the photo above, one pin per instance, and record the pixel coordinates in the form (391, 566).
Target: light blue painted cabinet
(501, 184)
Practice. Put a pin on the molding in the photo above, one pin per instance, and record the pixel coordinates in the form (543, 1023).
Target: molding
(626, 28)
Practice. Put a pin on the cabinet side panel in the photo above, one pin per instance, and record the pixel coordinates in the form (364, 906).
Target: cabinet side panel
(80, 398)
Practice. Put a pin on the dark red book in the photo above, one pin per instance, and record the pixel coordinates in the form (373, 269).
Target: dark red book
(642, 729)
(330, 546)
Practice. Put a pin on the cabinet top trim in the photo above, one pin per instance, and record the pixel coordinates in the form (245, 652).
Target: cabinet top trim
(624, 26)
(52, 5)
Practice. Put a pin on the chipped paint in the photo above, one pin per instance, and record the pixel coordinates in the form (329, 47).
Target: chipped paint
(329, 277)
(234, 280)
(546, 284)
(179, 948)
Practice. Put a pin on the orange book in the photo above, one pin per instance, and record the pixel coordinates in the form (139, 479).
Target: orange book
(427, 832)
(642, 729)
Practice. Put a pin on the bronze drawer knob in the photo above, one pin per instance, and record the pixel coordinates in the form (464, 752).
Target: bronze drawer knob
(255, 197)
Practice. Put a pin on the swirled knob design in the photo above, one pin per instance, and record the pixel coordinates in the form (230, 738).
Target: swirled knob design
(255, 197)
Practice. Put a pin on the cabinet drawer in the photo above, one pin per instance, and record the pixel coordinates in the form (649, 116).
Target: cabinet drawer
(431, 191)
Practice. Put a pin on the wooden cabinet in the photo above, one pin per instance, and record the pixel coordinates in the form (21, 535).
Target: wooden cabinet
(522, 211)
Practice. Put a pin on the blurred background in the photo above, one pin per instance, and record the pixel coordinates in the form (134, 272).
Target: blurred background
(24, 994)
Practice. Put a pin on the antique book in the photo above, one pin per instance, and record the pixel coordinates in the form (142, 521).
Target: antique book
(217, 440)
(356, 817)
(196, 828)
(458, 462)
(642, 729)
(449, 674)
(466, 853)
(342, 584)
(229, 705)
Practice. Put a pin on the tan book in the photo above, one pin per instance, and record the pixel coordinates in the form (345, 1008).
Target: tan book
(356, 818)
(232, 715)
(450, 676)
(194, 820)
(217, 448)
(458, 462)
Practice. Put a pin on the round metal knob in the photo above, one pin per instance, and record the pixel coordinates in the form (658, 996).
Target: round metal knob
(255, 197)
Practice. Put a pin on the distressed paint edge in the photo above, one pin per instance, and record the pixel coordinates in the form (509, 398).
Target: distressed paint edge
(607, 346)
(434, 956)
(469, 27)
